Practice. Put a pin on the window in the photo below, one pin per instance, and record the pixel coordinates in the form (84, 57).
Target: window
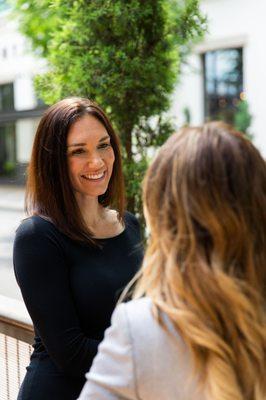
(6, 97)
(40, 102)
(223, 83)
(7, 148)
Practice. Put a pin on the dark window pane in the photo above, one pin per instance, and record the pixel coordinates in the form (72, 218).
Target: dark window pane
(7, 148)
(223, 82)
(40, 102)
(6, 97)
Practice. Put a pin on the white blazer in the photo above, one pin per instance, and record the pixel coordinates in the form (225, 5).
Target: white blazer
(138, 359)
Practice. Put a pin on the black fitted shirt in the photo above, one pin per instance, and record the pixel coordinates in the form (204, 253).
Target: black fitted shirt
(70, 291)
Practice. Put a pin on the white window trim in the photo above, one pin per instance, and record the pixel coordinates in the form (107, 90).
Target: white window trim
(221, 43)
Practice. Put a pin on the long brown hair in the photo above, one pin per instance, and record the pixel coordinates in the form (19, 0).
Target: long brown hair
(48, 190)
(205, 265)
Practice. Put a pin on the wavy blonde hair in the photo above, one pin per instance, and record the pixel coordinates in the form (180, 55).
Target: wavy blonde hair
(205, 266)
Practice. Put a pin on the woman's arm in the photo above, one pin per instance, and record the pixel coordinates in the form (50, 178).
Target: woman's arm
(42, 273)
(112, 375)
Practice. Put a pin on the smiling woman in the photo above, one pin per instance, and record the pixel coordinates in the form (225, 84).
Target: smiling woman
(90, 157)
(70, 146)
(78, 248)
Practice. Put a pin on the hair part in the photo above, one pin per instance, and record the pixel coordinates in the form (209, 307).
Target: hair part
(205, 265)
(49, 192)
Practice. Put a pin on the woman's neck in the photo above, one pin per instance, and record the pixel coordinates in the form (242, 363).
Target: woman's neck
(92, 212)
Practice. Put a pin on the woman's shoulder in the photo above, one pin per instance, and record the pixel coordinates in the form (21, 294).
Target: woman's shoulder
(131, 218)
(36, 232)
(141, 315)
(132, 222)
(138, 313)
(137, 307)
(35, 225)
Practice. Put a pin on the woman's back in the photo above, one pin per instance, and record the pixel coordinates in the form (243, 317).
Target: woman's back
(139, 359)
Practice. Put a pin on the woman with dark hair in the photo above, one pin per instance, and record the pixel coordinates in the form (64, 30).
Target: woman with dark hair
(196, 328)
(78, 248)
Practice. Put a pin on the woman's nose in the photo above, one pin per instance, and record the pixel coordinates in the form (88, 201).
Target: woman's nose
(95, 161)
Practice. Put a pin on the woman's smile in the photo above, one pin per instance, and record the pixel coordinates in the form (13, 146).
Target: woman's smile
(94, 177)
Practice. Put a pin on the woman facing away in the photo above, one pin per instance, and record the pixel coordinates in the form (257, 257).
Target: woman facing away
(77, 250)
(199, 332)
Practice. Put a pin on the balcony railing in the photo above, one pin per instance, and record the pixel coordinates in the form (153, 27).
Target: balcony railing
(16, 337)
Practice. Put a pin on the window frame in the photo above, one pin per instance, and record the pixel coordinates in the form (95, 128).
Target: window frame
(222, 112)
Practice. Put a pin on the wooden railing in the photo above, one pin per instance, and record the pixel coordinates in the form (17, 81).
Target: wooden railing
(16, 337)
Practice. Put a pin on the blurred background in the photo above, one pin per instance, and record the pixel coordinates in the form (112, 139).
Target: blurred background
(153, 68)
(153, 65)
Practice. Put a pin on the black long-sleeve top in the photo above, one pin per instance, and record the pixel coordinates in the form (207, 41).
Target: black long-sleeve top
(70, 290)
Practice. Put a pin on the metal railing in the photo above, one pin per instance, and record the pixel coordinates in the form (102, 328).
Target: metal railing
(16, 337)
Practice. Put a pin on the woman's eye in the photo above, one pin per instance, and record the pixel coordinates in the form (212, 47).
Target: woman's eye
(104, 145)
(77, 152)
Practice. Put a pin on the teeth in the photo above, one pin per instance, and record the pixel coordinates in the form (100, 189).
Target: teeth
(94, 176)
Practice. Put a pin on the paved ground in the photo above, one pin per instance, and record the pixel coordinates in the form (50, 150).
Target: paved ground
(11, 213)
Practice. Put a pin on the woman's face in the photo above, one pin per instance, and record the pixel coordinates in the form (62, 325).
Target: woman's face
(90, 157)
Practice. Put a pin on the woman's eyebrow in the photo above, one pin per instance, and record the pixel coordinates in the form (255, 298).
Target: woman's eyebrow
(77, 144)
(84, 144)
(104, 138)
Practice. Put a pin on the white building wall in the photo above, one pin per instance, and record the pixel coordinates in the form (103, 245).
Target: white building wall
(189, 93)
(25, 131)
(24, 94)
(16, 58)
(232, 23)
(18, 65)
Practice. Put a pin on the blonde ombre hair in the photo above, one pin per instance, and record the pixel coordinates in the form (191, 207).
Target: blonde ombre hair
(205, 266)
